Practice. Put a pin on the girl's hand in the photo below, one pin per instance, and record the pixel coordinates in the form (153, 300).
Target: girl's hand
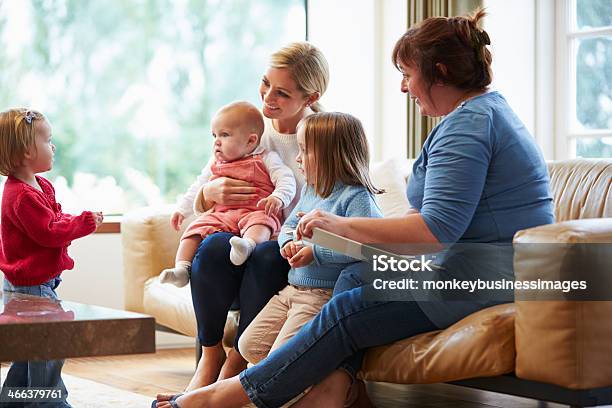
(271, 204)
(98, 218)
(290, 249)
(302, 258)
(177, 220)
(320, 219)
(229, 191)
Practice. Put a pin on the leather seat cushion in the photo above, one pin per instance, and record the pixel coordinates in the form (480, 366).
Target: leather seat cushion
(480, 345)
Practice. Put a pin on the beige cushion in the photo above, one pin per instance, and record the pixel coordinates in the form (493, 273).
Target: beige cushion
(562, 342)
(171, 306)
(149, 245)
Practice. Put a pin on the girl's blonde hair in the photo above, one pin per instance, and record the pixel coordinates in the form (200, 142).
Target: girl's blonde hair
(308, 68)
(340, 149)
(17, 136)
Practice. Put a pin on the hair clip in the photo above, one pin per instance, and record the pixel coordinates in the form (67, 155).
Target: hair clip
(29, 116)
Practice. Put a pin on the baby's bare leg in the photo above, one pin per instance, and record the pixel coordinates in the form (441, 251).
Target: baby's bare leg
(258, 233)
(187, 248)
(179, 275)
(243, 247)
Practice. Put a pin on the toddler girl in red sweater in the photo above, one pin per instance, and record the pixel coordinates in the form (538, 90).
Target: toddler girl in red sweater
(34, 232)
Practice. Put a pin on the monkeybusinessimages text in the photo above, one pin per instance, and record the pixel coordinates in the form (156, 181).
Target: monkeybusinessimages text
(385, 263)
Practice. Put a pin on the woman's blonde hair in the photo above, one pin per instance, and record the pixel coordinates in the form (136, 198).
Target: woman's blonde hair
(17, 136)
(340, 149)
(308, 68)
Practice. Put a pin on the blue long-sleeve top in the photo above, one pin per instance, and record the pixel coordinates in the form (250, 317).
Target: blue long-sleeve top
(480, 178)
(344, 200)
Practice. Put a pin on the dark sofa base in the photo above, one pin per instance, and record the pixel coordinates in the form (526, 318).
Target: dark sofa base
(509, 384)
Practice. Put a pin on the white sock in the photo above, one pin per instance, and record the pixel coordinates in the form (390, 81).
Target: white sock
(242, 248)
(178, 276)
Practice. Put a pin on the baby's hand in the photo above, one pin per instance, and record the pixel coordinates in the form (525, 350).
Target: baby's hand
(302, 258)
(271, 204)
(98, 218)
(177, 220)
(290, 249)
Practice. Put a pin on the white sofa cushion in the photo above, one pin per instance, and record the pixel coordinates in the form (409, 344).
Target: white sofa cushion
(392, 175)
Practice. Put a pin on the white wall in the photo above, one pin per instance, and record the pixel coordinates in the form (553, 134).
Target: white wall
(345, 34)
(357, 38)
(392, 104)
(97, 277)
(511, 26)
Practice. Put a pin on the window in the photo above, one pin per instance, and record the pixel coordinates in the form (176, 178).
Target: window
(130, 86)
(584, 80)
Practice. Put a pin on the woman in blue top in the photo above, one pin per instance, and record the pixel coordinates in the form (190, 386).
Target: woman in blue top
(480, 178)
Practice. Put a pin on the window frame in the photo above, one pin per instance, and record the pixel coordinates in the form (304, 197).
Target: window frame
(567, 35)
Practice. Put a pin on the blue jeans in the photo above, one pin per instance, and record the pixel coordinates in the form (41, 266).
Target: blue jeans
(334, 339)
(36, 374)
(216, 283)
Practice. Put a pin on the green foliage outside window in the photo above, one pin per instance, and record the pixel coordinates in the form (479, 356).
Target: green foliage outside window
(594, 77)
(130, 86)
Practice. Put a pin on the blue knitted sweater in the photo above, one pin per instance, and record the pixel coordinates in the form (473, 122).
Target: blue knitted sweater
(346, 201)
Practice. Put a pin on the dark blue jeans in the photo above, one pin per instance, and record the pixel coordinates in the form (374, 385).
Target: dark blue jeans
(216, 283)
(35, 374)
(335, 338)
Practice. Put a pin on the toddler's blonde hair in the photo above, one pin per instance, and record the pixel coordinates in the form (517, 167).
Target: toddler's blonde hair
(340, 148)
(308, 68)
(17, 136)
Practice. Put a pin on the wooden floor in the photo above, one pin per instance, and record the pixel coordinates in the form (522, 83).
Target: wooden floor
(147, 374)
(170, 371)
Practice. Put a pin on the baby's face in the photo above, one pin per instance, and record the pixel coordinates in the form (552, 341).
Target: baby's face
(231, 141)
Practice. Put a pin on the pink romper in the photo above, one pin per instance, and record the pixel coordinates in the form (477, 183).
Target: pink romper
(236, 219)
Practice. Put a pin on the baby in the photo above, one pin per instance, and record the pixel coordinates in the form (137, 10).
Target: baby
(236, 129)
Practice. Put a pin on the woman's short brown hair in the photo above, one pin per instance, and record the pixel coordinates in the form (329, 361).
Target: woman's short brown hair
(340, 147)
(17, 136)
(455, 42)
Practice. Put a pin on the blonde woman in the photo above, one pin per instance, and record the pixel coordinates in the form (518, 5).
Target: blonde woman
(290, 90)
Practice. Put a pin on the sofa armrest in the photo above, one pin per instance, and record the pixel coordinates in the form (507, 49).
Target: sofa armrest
(560, 341)
(149, 245)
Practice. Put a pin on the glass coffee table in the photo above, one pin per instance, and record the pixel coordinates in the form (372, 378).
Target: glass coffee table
(35, 328)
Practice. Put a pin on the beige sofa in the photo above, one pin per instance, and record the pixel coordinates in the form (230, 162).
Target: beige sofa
(562, 344)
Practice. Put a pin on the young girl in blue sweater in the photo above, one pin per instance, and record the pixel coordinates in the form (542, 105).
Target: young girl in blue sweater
(333, 155)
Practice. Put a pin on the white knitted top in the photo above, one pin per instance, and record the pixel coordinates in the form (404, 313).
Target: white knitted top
(286, 146)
